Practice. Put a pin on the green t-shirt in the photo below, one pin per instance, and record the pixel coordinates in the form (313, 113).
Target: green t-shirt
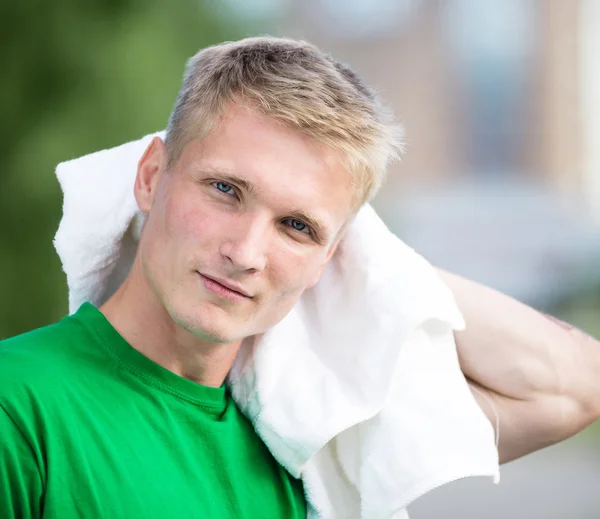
(90, 428)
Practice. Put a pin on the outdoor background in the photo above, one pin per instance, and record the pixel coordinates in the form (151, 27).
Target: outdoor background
(501, 180)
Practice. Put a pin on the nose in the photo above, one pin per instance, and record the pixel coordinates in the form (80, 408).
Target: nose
(246, 242)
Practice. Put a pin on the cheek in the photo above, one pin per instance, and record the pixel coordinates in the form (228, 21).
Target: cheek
(176, 230)
(188, 220)
(290, 276)
(294, 272)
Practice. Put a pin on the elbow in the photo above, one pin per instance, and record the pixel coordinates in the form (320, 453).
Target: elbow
(574, 395)
(585, 386)
(573, 409)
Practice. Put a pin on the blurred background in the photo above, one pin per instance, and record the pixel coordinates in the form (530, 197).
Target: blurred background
(500, 100)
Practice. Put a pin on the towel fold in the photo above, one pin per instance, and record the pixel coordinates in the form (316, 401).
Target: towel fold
(357, 391)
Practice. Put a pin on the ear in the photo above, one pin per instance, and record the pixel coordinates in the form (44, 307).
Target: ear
(150, 168)
(330, 253)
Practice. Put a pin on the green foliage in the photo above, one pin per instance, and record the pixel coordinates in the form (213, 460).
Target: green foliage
(77, 77)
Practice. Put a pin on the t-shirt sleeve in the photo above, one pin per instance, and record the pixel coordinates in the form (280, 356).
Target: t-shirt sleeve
(20, 481)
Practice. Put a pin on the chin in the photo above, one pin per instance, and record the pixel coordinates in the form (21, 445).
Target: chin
(213, 334)
(210, 324)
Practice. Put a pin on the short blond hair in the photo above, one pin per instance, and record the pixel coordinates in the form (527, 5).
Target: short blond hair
(295, 83)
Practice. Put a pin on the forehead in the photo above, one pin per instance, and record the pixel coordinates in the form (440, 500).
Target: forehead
(285, 169)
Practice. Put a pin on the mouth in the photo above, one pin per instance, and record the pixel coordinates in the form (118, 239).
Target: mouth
(223, 288)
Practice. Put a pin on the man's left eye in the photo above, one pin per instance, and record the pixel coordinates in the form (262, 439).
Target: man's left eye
(224, 188)
(298, 225)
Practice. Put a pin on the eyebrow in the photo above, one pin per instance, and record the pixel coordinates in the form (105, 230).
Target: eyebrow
(321, 234)
(232, 178)
(320, 230)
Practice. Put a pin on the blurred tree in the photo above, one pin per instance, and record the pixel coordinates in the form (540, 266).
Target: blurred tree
(77, 77)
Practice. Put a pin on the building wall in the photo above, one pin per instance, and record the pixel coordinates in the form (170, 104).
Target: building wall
(416, 68)
(407, 64)
(589, 19)
(556, 153)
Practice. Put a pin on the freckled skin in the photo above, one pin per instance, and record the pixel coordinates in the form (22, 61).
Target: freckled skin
(241, 230)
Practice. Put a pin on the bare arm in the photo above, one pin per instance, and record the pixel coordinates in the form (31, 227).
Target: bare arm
(542, 375)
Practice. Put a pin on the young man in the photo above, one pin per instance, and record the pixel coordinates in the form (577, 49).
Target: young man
(121, 411)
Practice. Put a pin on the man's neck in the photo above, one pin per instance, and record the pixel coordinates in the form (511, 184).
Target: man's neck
(145, 324)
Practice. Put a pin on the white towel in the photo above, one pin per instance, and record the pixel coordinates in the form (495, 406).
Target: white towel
(357, 391)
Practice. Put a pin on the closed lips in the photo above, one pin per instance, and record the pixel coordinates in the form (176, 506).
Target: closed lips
(227, 285)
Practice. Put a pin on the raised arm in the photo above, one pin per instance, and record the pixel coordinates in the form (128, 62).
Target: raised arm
(542, 375)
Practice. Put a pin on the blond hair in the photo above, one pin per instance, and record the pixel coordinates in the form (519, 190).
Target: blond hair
(295, 83)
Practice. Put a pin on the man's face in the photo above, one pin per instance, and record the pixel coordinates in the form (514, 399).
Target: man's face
(241, 226)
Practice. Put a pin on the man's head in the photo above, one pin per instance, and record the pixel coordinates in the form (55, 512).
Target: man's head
(270, 150)
(295, 83)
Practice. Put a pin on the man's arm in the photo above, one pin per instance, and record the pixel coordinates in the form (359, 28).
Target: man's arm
(542, 375)
(21, 487)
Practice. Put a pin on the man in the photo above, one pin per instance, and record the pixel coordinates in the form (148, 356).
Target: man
(121, 411)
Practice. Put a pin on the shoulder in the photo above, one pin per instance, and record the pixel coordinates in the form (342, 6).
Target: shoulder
(46, 344)
(34, 372)
(40, 360)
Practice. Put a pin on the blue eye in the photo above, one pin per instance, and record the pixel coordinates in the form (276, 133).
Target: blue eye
(224, 188)
(298, 225)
